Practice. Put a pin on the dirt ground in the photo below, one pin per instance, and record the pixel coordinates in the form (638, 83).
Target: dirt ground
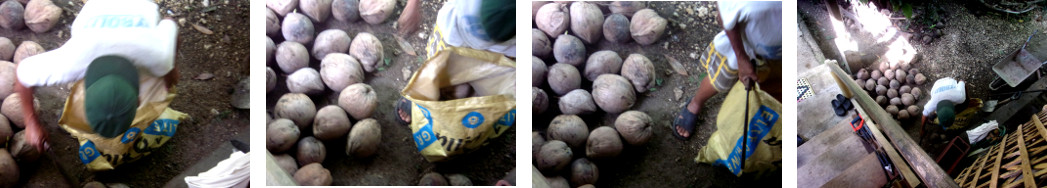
(397, 161)
(665, 161)
(958, 39)
(213, 119)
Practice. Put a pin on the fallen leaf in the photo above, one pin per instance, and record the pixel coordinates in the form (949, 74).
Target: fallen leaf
(202, 29)
(405, 46)
(676, 65)
(204, 76)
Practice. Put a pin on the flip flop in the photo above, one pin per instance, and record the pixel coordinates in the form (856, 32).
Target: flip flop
(686, 119)
(403, 105)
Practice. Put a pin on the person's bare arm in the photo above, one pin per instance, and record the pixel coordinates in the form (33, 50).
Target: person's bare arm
(409, 18)
(746, 71)
(35, 133)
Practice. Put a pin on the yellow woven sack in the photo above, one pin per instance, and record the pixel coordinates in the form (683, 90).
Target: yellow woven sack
(764, 148)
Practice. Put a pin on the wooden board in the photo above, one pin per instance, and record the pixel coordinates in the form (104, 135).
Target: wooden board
(928, 171)
(865, 173)
(832, 154)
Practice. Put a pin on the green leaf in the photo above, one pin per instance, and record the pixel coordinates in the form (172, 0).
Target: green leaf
(381, 68)
(387, 61)
(907, 10)
(652, 89)
(658, 82)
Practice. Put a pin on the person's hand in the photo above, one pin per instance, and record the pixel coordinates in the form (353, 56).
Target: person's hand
(409, 18)
(746, 73)
(35, 135)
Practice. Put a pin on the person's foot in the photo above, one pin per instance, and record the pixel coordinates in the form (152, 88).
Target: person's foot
(403, 111)
(685, 121)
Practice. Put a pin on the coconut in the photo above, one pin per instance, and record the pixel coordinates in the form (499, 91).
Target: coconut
(577, 101)
(564, 78)
(5, 130)
(586, 21)
(41, 15)
(270, 51)
(626, 8)
(364, 138)
(291, 56)
(584, 172)
(272, 23)
(863, 74)
(890, 74)
(305, 80)
(896, 101)
(541, 46)
(553, 156)
(910, 79)
(313, 174)
(368, 50)
(7, 78)
(920, 79)
(876, 74)
(914, 71)
(12, 109)
(317, 10)
(8, 169)
(907, 99)
(881, 100)
(12, 15)
(536, 143)
(346, 10)
(340, 70)
(570, 129)
(602, 62)
(553, 19)
(903, 114)
(905, 89)
(21, 150)
(883, 81)
(881, 90)
(281, 135)
(330, 41)
(331, 123)
(310, 150)
(535, 5)
(568, 49)
(297, 28)
(861, 83)
(359, 100)
(270, 79)
(899, 75)
(297, 107)
(916, 93)
(27, 49)
(286, 162)
(639, 71)
(459, 180)
(459, 91)
(538, 70)
(647, 27)
(433, 179)
(540, 100)
(913, 110)
(376, 11)
(613, 94)
(635, 127)
(870, 85)
(893, 110)
(884, 66)
(616, 28)
(282, 7)
(892, 93)
(603, 142)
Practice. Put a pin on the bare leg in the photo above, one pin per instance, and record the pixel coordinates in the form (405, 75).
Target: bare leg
(705, 91)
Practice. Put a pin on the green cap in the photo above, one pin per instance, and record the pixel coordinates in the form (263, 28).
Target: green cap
(111, 97)
(499, 19)
(946, 113)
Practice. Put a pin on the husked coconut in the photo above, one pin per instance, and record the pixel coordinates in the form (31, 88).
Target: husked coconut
(317, 10)
(282, 7)
(340, 70)
(553, 156)
(281, 135)
(297, 28)
(639, 71)
(540, 100)
(613, 94)
(602, 62)
(346, 10)
(291, 56)
(330, 41)
(647, 27)
(376, 11)
(603, 142)
(310, 150)
(570, 129)
(635, 127)
(616, 28)
(627, 8)
(586, 21)
(359, 100)
(41, 15)
(298, 108)
(541, 46)
(553, 19)
(364, 138)
(568, 49)
(564, 78)
(368, 50)
(538, 71)
(577, 101)
(305, 80)
(330, 123)
(272, 23)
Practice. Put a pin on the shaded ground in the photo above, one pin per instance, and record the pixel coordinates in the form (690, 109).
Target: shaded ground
(962, 40)
(213, 120)
(397, 161)
(665, 161)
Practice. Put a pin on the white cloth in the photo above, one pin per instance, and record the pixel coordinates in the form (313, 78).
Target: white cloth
(128, 28)
(945, 89)
(979, 133)
(232, 172)
(761, 26)
(460, 24)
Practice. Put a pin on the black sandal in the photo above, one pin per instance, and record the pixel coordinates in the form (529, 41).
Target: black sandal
(403, 107)
(686, 119)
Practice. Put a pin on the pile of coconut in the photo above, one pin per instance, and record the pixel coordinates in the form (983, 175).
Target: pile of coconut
(38, 15)
(569, 145)
(896, 87)
(298, 128)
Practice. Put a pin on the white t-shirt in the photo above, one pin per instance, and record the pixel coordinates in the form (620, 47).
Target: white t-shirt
(945, 89)
(128, 28)
(761, 25)
(460, 25)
